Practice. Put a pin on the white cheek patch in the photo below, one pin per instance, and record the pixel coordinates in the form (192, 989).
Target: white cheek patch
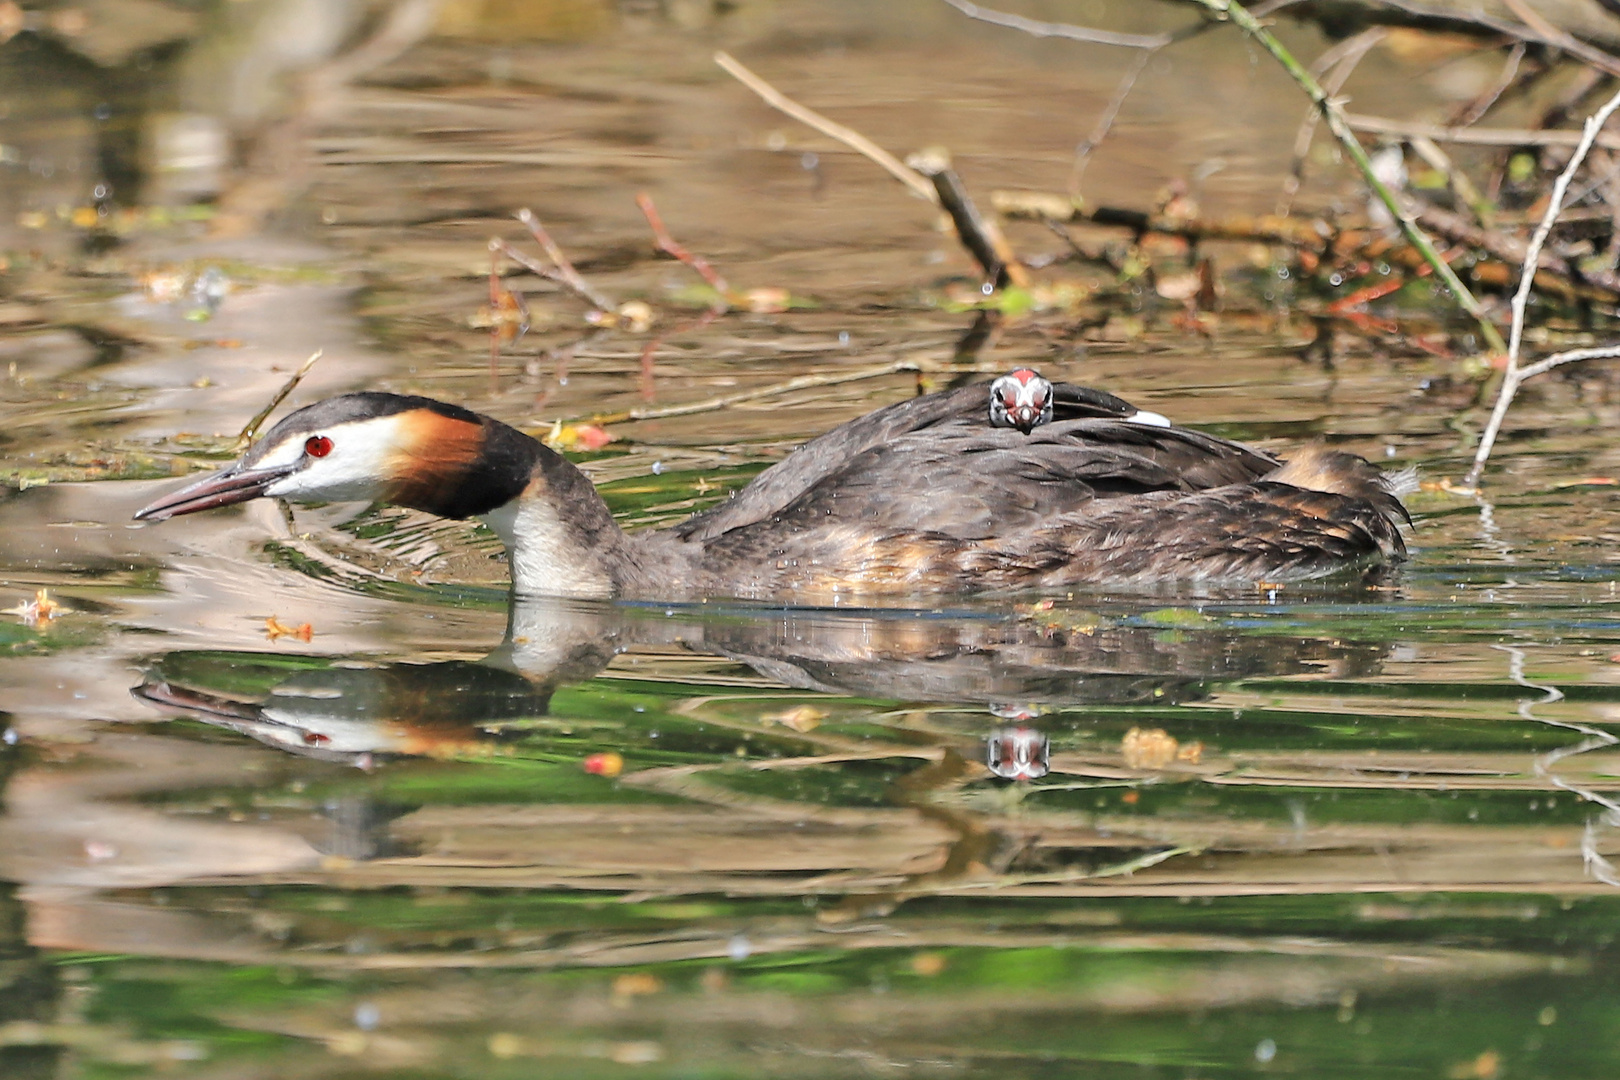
(1151, 419)
(360, 467)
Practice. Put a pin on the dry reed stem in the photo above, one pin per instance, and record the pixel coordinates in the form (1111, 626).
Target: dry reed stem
(715, 404)
(851, 138)
(247, 434)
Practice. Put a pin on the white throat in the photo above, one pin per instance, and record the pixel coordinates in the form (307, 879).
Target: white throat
(545, 559)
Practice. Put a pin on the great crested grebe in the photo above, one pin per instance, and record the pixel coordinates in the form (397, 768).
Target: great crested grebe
(919, 497)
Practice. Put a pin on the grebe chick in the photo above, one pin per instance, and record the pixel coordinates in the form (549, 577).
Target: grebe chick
(1025, 399)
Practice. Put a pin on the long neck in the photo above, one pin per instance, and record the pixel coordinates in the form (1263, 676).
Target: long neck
(560, 537)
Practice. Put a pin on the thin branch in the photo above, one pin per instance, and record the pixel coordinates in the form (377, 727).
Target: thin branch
(1555, 204)
(668, 245)
(1475, 110)
(1514, 375)
(1334, 116)
(1469, 19)
(1068, 31)
(851, 138)
(1456, 179)
(1549, 34)
(1339, 62)
(571, 277)
(1105, 122)
(251, 430)
(1472, 136)
(1597, 352)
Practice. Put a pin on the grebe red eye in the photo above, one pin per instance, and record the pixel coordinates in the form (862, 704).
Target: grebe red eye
(317, 446)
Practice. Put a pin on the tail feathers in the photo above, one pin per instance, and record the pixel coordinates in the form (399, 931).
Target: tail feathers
(1317, 468)
(1402, 482)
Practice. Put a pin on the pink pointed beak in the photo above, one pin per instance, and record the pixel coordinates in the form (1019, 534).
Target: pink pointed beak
(1025, 417)
(231, 485)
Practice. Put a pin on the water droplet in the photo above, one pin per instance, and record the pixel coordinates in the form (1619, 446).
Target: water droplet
(1265, 1051)
(367, 1016)
(738, 948)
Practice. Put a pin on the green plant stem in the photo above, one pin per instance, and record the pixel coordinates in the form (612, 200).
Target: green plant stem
(1336, 123)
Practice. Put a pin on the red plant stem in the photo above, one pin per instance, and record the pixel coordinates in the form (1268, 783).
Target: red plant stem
(666, 243)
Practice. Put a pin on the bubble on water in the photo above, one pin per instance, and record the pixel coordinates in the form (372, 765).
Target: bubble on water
(738, 948)
(367, 1016)
(1265, 1051)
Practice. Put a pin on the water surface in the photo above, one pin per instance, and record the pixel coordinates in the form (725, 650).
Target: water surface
(1329, 831)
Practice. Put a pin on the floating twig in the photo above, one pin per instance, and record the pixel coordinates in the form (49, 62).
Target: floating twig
(803, 382)
(848, 136)
(1312, 235)
(1471, 136)
(1513, 374)
(979, 234)
(248, 433)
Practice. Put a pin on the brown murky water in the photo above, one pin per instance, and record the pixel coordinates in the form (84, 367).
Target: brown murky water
(1322, 832)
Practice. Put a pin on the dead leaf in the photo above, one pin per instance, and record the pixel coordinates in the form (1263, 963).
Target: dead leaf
(1148, 748)
(1488, 1066)
(1587, 481)
(767, 301)
(578, 437)
(40, 607)
(12, 21)
(636, 984)
(1181, 287)
(609, 764)
(1445, 486)
(275, 629)
(800, 718)
(636, 316)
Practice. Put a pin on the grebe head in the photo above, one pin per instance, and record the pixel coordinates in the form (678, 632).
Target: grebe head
(1020, 399)
(412, 451)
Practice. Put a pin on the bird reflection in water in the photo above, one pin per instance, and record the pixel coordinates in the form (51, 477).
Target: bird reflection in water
(1023, 668)
(1018, 753)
